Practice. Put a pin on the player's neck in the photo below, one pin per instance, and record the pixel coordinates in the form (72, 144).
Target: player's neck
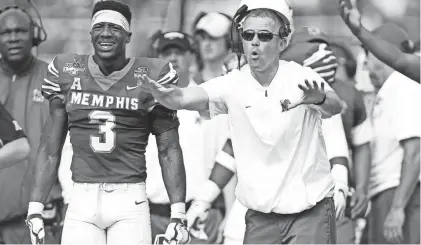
(265, 77)
(109, 66)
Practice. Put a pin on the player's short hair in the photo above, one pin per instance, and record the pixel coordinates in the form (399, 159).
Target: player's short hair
(115, 6)
(269, 13)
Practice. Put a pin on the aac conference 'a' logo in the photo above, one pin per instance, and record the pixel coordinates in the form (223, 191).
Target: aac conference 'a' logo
(140, 71)
(74, 68)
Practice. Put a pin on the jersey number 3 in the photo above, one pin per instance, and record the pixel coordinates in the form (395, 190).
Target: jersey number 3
(105, 142)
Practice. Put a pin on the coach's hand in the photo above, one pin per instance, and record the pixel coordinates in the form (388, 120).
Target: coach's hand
(177, 232)
(35, 223)
(312, 94)
(197, 216)
(153, 87)
(350, 15)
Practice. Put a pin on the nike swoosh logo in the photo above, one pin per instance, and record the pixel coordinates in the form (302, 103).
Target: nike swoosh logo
(137, 203)
(131, 88)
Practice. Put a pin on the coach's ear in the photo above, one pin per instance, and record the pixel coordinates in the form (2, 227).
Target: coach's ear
(283, 44)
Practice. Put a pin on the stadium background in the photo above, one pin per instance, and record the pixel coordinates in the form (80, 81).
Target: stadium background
(67, 22)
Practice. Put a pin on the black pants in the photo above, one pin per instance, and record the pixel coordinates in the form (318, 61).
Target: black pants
(313, 226)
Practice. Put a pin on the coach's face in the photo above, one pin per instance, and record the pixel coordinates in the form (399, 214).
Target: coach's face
(109, 40)
(15, 36)
(261, 42)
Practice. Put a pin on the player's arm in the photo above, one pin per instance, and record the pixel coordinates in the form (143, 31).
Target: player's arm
(407, 64)
(221, 174)
(14, 146)
(164, 125)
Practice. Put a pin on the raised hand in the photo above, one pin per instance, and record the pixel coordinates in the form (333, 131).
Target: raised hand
(312, 94)
(350, 14)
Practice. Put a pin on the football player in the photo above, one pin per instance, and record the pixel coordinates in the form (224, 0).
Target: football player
(97, 98)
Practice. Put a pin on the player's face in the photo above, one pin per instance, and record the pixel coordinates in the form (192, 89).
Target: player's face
(211, 48)
(379, 71)
(109, 40)
(15, 37)
(180, 59)
(264, 52)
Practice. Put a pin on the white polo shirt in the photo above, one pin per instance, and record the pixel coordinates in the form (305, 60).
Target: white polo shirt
(281, 158)
(396, 116)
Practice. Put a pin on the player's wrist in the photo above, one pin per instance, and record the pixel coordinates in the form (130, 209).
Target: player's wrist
(208, 192)
(340, 176)
(178, 211)
(35, 208)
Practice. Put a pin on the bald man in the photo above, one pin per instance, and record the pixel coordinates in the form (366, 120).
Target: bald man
(21, 75)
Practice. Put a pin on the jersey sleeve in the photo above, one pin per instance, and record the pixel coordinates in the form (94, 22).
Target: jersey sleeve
(9, 128)
(162, 119)
(167, 75)
(51, 85)
(335, 140)
(321, 59)
(216, 89)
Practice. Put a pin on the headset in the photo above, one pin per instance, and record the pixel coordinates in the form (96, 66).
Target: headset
(38, 32)
(236, 29)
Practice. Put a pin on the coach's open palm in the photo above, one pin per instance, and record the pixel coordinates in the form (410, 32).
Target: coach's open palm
(350, 14)
(151, 86)
(312, 94)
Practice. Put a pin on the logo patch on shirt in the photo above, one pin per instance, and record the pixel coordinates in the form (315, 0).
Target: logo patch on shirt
(17, 127)
(37, 96)
(74, 68)
(285, 104)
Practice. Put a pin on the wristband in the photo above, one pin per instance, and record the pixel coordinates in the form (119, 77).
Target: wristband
(208, 192)
(340, 175)
(226, 160)
(35, 208)
(321, 102)
(178, 210)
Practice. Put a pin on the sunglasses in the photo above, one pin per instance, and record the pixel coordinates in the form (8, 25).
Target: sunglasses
(263, 36)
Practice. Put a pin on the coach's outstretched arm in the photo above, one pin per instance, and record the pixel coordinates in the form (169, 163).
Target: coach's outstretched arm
(46, 167)
(175, 98)
(407, 64)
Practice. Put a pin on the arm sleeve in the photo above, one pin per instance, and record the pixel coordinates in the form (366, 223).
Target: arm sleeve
(162, 119)
(216, 89)
(335, 140)
(51, 85)
(9, 128)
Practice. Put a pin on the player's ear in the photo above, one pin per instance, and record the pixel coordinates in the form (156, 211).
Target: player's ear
(129, 37)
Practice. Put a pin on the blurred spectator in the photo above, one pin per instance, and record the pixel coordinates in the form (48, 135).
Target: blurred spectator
(176, 47)
(394, 179)
(21, 75)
